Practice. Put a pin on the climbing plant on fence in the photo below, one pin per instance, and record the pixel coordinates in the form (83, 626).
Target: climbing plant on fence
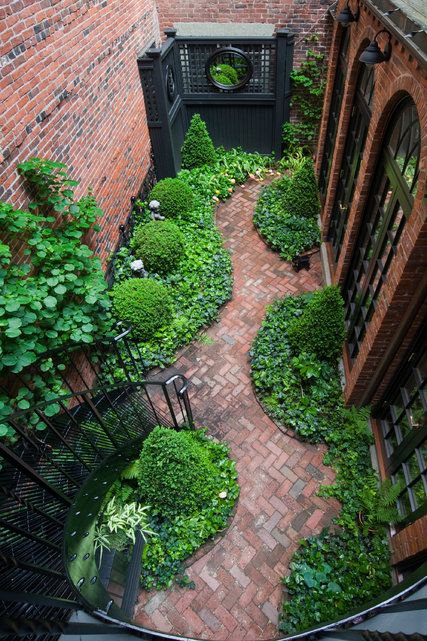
(308, 88)
(52, 287)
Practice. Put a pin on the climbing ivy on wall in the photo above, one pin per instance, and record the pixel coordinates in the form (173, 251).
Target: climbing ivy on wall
(308, 88)
(52, 287)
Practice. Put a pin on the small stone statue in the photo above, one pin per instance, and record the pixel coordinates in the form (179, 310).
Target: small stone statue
(154, 206)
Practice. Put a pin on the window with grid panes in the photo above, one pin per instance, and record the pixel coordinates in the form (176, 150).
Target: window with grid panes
(403, 423)
(389, 205)
(353, 152)
(334, 113)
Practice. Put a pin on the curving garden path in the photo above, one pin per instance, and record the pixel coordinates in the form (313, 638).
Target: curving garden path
(238, 580)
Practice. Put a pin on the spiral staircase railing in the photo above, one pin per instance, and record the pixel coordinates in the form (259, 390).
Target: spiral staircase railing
(53, 482)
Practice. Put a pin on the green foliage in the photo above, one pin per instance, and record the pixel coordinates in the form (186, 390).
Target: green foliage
(308, 87)
(144, 303)
(160, 245)
(198, 148)
(118, 523)
(175, 197)
(224, 74)
(57, 294)
(379, 504)
(332, 574)
(300, 194)
(343, 568)
(290, 235)
(320, 328)
(202, 281)
(176, 474)
(181, 534)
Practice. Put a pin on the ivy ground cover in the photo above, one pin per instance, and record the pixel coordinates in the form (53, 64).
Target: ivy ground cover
(347, 564)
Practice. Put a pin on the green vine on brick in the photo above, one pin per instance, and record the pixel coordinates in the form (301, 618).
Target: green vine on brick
(308, 88)
(53, 290)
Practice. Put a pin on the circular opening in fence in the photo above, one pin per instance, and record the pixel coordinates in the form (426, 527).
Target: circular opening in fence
(229, 68)
(170, 83)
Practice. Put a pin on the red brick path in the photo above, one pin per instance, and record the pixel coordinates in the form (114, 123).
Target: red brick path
(238, 587)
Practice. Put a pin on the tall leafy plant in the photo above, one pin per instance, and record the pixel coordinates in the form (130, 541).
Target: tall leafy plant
(53, 290)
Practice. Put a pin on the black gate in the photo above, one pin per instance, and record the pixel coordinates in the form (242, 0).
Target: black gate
(179, 80)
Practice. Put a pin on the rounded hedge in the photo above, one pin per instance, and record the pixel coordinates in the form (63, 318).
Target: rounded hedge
(175, 197)
(160, 245)
(144, 303)
(177, 475)
(198, 148)
(320, 329)
(301, 194)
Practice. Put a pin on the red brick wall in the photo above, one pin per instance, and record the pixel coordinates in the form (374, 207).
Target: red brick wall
(301, 17)
(70, 92)
(400, 293)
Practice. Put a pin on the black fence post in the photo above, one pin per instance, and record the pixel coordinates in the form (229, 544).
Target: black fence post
(153, 81)
(283, 95)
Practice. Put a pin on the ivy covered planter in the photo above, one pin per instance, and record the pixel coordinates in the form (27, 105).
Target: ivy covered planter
(348, 564)
(287, 210)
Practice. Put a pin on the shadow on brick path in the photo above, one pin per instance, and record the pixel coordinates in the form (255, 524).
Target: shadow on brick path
(238, 581)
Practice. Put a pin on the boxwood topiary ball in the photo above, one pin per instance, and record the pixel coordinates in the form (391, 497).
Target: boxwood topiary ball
(174, 195)
(144, 303)
(160, 245)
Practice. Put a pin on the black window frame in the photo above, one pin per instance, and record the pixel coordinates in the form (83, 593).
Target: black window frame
(403, 436)
(334, 114)
(388, 207)
(352, 157)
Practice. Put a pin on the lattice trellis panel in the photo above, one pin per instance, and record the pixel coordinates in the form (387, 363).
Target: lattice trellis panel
(194, 56)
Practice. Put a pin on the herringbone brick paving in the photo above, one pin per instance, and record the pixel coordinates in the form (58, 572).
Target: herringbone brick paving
(238, 581)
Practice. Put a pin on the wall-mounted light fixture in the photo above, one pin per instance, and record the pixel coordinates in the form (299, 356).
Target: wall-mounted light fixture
(346, 17)
(373, 54)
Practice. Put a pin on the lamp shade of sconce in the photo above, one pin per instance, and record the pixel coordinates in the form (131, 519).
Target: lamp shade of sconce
(346, 16)
(373, 55)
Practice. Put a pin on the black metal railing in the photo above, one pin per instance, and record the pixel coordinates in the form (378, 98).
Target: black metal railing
(98, 418)
(126, 229)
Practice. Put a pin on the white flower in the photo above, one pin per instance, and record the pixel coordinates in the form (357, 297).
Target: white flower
(222, 495)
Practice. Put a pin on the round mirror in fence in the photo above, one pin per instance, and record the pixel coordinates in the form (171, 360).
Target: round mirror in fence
(229, 68)
(170, 83)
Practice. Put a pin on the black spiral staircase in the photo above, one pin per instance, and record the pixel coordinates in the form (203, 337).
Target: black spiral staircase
(54, 481)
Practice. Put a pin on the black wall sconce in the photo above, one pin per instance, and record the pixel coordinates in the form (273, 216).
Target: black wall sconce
(346, 17)
(373, 54)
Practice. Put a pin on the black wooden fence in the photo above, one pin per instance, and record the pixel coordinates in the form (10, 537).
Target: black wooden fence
(176, 86)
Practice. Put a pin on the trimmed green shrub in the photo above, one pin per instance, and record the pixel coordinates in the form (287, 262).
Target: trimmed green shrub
(160, 245)
(198, 148)
(177, 475)
(144, 303)
(224, 74)
(301, 197)
(175, 197)
(320, 328)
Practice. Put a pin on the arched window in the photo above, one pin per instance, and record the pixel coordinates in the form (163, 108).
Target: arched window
(353, 152)
(334, 114)
(388, 207)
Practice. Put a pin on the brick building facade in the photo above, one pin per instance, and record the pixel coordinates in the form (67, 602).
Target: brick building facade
(372, 167)
(70, 91)
(303, 18)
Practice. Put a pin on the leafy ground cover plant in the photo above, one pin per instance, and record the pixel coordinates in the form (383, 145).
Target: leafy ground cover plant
(53, 288)
(302, 390)
(202, 282)
(287, 210)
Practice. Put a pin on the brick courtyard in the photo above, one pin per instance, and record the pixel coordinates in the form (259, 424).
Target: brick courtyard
(238, 580)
